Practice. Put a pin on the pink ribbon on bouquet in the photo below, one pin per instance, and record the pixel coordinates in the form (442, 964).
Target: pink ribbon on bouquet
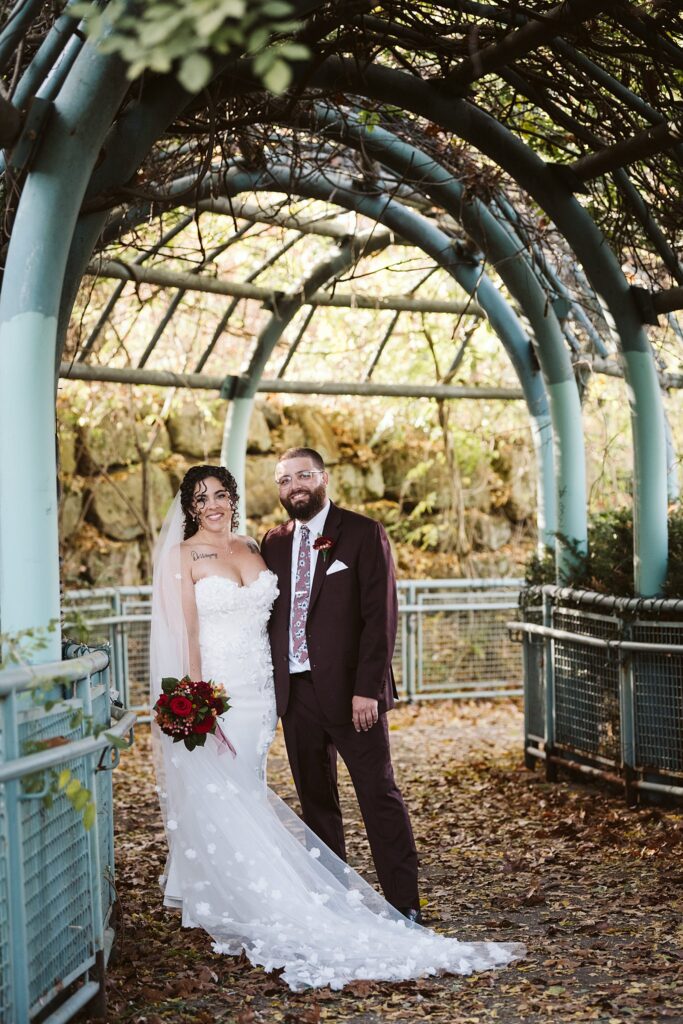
(222, 742)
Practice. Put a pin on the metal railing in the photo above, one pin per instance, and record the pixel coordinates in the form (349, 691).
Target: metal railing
(56, 878)
(452, 637)
(603, 686)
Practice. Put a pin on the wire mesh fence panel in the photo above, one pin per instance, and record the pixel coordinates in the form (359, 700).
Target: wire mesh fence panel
(451, 638)
(56, 870)
(137, 635)
(587, 710)
(658, 698)
(466, 651)
(6, 1001)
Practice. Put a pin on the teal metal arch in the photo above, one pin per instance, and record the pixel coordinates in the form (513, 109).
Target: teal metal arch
(469, 274)
(234, 449)
(548, 186)
(506, 254)
(29, 306)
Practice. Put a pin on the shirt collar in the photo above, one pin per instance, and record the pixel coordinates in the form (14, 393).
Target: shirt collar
(315, 524)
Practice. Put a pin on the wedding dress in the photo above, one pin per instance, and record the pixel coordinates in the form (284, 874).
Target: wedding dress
(244, 867)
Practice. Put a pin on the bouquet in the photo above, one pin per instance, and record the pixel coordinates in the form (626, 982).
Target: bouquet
(187, 710)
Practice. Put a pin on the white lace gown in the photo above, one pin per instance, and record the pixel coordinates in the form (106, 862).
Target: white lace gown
(244, 867)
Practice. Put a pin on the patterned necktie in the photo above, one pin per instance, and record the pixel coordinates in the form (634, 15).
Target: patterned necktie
(302, 590)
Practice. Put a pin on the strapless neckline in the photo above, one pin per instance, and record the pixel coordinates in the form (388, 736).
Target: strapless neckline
(228, 579)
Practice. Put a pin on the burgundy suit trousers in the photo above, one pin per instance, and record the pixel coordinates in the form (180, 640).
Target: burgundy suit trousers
(312, 746)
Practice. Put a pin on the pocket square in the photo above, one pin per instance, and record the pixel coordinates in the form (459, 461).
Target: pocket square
(336, 566)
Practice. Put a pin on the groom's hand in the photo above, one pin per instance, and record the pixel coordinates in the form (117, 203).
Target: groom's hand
(364, 712)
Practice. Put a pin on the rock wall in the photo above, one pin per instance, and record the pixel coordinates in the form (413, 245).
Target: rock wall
(119, 472)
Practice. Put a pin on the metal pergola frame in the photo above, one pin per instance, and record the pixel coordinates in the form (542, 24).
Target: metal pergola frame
(76, 134)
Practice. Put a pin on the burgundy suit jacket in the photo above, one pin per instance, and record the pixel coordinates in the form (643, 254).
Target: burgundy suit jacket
(352, 616)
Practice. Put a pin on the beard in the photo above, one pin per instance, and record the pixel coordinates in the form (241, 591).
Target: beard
(305, 508)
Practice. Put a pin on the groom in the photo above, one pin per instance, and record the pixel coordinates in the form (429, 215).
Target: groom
(332, 634)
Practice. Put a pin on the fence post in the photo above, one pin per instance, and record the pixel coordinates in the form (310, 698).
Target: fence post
(627, 716)
(527, 653)
(411, 656)
(549, 677)
(119, 652)
(15, 863)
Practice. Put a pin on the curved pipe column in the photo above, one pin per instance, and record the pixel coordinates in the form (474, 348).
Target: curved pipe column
(549, 189)
(29, 306)
(234, 450)
(432, 240)
(495, 240)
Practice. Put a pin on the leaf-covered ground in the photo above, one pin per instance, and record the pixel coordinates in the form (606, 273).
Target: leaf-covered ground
(594, 889)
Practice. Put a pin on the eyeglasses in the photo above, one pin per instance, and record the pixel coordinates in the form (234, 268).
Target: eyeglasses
(302, 477)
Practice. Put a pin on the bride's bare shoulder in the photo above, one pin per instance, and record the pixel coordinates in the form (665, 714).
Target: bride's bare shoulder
(247, 543)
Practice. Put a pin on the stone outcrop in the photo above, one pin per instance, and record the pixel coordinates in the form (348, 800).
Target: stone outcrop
(107, 534)
(262, 495)
(117, 441)
(116, 501)
(317, 432)
(197, 429)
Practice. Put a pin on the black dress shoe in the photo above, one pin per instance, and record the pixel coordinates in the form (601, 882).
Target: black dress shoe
(411, 914)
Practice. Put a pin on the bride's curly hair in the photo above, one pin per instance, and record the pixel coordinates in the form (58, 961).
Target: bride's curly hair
(187, 494)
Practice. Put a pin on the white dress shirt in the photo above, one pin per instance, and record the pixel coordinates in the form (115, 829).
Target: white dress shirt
(315, 526)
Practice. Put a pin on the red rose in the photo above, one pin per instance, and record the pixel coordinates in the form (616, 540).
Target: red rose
(163, 700)
(206, 725)
(181, 706)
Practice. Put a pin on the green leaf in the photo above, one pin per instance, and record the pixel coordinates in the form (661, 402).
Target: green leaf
(278, 77)
(72, 788)
(293, 51)
(81, 799)
(168, 684)
(257, 40)
(89, 815)
(195, 72)
(63, 778)
(210, 23)
(273, 9)
(263, 61)
(117, 741)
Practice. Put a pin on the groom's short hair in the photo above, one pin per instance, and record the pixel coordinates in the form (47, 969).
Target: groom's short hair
(304, 453)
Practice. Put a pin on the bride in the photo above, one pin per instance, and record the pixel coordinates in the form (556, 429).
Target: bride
(241, 864)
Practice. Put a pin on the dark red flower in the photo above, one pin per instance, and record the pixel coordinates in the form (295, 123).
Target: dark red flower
(206, 725)
(163, 700)
(322, 543)
(181, 706)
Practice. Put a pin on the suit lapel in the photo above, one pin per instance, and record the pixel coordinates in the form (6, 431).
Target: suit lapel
(332, 529)
(282, 563)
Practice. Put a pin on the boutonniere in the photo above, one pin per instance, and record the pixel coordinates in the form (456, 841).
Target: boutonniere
(323, 544)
